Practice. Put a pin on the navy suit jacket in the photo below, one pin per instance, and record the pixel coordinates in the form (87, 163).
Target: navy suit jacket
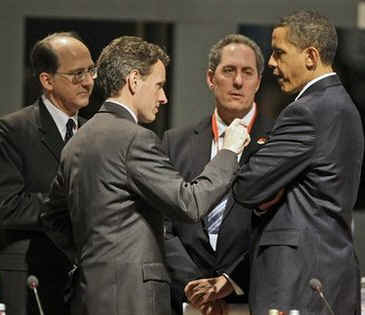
(30, 148)
(188, 251)
(315, 152)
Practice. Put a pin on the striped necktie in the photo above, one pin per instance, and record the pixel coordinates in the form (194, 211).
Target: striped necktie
(215, 217)
(69, 129)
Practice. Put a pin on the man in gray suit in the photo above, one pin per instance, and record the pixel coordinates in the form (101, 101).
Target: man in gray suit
(111, 167)
(315, 152)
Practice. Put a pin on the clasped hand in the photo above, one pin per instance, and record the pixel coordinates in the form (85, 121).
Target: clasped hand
(206, 295)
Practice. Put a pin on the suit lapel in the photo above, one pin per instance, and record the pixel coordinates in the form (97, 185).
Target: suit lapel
(201, 144)
(200, 150)
(49, 133)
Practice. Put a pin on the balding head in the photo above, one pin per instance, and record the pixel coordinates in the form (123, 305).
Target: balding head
(63, 65)
(45, 53)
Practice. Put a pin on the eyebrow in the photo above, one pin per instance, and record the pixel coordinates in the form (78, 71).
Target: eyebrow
(233, 66)
(82, 69)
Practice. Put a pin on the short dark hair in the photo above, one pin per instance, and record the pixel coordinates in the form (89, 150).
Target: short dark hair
(43, 58)
(215, 54)
(308, 28)
(123, 55)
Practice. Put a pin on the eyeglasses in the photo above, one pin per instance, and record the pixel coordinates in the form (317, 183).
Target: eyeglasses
(80, 75)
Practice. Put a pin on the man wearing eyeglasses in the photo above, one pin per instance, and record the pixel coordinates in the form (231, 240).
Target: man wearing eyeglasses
(31, 141)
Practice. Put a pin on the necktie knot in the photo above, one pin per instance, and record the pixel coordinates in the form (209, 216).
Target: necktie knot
(70, 125)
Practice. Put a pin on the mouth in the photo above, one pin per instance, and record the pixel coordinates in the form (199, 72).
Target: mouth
(84, 93)
(236, 95)
(281, 80)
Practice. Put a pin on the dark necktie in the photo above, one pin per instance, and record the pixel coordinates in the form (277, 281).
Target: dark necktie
(69, 129)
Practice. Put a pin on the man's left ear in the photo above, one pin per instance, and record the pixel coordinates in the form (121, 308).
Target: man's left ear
(312, 58)
(133, 80)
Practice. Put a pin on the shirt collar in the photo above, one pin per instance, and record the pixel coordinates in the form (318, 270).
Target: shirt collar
(112, 100)
(245, 119)
(312, 82)
(59, 117)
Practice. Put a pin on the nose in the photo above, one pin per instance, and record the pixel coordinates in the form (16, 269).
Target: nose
(162, 98)
(272, 63)
(88, 79)
(238, 80)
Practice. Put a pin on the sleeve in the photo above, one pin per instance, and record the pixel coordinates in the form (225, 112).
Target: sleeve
(55, 218)
(179, 263)
(19, 209)
(287, 153)
(152, 176)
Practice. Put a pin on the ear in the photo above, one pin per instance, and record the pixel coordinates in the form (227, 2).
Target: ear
(210, 79)
(311, 58)
(133, 81)
(46, 80)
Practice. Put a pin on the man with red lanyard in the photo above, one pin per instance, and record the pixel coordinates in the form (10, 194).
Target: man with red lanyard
(211, 247)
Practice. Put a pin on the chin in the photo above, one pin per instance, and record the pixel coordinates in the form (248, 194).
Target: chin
(83, 104)
(286, 89)
(148, 120)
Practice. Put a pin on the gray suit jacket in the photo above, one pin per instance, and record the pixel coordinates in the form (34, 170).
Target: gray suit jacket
(315, 152)
(108, 170)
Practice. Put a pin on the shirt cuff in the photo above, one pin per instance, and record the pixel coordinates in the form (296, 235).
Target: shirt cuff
(235, 286)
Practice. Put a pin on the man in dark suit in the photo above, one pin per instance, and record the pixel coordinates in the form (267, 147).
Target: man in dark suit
(110, 168)
(315, 153)
(194, 251)
(31, 141)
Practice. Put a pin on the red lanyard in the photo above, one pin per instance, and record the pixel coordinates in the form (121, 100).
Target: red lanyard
(215, 124)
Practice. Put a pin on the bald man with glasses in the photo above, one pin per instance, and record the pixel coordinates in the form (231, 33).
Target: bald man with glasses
(31, 141)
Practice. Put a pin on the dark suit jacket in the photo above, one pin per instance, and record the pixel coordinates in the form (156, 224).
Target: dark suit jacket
(107, 169)
(315, 152)
(188, 251)
(30, 147)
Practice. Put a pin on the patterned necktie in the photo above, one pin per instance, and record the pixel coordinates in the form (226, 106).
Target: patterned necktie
(69, 129)
(216, 216)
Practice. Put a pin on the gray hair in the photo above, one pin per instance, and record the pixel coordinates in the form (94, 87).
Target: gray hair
(123, 55)
(215, 54)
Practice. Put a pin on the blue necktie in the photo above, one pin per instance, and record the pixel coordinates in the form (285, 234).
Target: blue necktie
(216, 216)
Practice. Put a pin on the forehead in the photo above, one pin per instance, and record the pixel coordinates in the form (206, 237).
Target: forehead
(238, 54)
(158, 72)
(71, 53)
(280, 37)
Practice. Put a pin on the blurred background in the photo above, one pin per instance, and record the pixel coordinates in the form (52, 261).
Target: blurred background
(187, 29)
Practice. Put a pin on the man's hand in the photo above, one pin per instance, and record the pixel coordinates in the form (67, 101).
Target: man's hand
(236, 137)
(268, 204)
(200, 292)
(218, 307)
